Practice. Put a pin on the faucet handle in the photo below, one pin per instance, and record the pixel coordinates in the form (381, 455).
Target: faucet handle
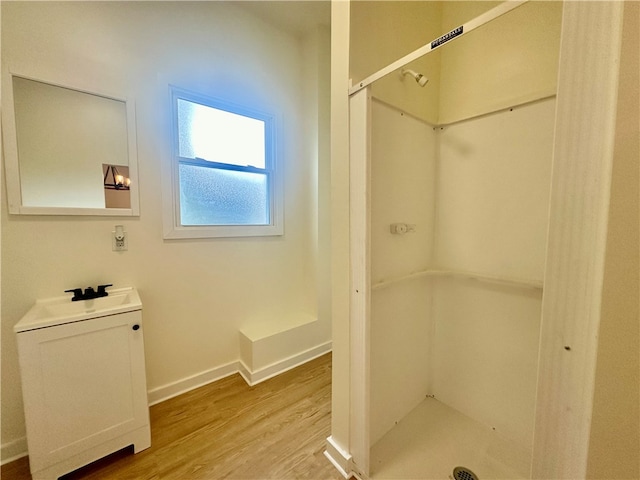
(102, 290)
(77, 294)
(89, 293)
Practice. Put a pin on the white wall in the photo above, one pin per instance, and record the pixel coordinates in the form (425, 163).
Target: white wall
(494, 177)
(493, 192)
(403, 160)
(478, 192)
(316, 92)
(481, 188)
(403, 170)
(486, 354)
(196, 294)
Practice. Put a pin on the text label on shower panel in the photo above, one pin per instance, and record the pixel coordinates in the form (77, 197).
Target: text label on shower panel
(447, 36)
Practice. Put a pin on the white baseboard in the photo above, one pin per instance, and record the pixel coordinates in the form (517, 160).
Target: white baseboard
(339, 458)
(170, 390)
(245, 372)
(270, 371)
(13, 450)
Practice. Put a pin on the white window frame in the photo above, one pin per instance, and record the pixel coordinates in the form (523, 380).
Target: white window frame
(173, 229)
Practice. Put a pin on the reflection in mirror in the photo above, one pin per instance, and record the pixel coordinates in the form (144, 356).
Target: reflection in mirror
(65, 142)
(117, 185)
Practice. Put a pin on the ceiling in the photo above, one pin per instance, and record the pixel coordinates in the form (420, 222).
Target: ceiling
(295, 17)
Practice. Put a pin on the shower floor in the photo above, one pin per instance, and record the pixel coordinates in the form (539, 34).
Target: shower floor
(434, 438)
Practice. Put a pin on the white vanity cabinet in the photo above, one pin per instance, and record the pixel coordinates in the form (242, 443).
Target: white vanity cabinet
(83, 382)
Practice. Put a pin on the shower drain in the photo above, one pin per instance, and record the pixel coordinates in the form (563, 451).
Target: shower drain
(462, 473)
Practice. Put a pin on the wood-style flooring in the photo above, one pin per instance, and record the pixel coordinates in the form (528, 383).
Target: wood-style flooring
(228, 430)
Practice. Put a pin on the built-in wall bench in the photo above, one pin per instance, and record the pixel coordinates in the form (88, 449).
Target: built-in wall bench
(270, 347)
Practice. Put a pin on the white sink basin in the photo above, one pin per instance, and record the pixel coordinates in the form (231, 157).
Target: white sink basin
(59, 310)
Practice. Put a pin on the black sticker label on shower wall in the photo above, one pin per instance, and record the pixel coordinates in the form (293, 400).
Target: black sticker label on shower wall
(447, 36)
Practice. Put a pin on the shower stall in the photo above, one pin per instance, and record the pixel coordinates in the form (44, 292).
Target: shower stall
(456, 294)
(449, 238)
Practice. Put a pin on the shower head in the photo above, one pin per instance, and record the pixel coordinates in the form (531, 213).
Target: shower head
(420, 79)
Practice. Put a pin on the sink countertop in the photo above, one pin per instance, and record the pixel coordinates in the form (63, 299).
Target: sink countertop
(49, 312)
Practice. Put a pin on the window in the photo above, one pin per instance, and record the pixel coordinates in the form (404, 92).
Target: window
(224, 170)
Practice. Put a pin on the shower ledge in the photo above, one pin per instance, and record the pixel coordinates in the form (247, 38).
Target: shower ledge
(461, 274)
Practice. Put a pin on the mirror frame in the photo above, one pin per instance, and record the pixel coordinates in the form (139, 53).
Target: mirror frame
(12, 163)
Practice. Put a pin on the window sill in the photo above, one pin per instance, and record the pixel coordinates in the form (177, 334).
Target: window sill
(223, 231)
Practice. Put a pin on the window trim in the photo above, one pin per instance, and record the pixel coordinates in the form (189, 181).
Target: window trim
(171, 181)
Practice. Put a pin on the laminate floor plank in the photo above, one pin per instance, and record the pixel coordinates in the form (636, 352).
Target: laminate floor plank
(228, 430)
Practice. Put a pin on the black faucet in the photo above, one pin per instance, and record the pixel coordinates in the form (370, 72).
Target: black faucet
(89, 293)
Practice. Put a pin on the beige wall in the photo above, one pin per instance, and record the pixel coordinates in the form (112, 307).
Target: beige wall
(196, 293)
(384, 31)
(340, 394)
(481, 72)
(512, 60)
(317, 95)
(381, 32)
(614, 449)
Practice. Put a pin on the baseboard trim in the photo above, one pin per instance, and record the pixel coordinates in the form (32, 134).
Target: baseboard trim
(245, 372)
(16, 449)
(340, 459)
(270, 371)
(170, 390)
(13, 450)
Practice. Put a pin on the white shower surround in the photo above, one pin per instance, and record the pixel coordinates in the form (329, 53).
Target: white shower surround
(583, 150)
(478, 193)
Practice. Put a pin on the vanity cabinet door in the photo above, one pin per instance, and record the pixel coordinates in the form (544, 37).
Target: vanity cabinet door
(84, 386)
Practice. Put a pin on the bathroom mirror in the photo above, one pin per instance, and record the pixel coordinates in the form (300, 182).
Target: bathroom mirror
(68, 151)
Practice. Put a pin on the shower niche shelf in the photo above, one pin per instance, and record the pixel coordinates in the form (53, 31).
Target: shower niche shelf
(461, 274)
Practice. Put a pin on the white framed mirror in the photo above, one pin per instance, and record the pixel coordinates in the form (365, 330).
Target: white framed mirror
(68, 150)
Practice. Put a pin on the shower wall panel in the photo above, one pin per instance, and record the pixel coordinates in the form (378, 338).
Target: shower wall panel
(400, 328)
(403, 151)
(494, 176)
(485, 357)
(402, 191)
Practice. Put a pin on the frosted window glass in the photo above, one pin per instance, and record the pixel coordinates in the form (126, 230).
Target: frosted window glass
(211, 196)
(220, 136)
